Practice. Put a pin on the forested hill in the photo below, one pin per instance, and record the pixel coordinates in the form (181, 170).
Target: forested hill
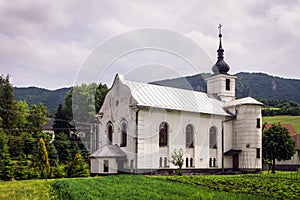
(256, 85)
(33, 95)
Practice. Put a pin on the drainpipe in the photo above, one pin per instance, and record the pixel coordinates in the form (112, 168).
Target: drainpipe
(136, 138)
(227, 120)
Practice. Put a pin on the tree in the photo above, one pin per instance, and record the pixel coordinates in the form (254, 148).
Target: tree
(177, 160)
(277, 144)
(41, 160)
(101, 92)
(78, 167)
(7, 105)
(37, 117)
(6, 172)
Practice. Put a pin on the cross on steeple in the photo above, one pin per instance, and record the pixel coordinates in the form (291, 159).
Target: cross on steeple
(220, 29)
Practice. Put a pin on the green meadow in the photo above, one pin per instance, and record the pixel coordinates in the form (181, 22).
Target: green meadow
(284, 119)
(256, 186)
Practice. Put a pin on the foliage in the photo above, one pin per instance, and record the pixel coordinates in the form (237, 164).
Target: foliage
(37, 117)
(262, 185)
(78, 167)
(7, 105)
(41, 160)
(279, 107)
(101, 92)
(134, 187)
(25, 190)
(277, 144)
(293, 120)
(59, 170)
(177, 160)
(6, 172)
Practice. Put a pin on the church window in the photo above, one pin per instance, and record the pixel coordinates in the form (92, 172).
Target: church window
(110, 132)
(258, 123)
(191, 162)
(213, 137)
(105, 166)
(227, 84)
(214, 162)
(166, 162)
(160, 162)
(189, 136)
(123, 135)
(186, 162)
(163, 134)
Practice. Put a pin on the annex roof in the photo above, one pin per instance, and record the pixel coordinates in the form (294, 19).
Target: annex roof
(108, 151)
(156, 96)
(242, 101)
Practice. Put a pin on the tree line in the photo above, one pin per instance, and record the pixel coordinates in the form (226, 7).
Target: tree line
(27, 152)
(279, 107)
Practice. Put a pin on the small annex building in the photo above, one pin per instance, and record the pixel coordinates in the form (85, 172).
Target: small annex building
(141, 124)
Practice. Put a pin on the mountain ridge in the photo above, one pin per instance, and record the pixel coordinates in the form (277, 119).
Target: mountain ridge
(257, 85)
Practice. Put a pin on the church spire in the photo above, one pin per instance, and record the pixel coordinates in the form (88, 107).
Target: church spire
(221, 67)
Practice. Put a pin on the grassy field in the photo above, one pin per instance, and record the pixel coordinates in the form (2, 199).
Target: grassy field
(29, 189)
(285, 119)
(264, 186)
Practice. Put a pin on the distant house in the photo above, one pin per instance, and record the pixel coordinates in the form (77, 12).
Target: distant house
(141, 124)
(294, 162)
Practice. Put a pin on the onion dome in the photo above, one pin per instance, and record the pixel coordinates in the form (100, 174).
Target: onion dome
(221, 67)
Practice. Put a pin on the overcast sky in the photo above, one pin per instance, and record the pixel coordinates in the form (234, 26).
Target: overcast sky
(45, 43)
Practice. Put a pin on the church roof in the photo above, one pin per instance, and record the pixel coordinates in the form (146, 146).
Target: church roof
(156, 96)
(242, 101)
(108, 151)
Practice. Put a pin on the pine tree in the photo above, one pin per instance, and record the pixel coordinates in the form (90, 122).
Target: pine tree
(78, 167)
(7, 104)
(41, 160)
(6, 172)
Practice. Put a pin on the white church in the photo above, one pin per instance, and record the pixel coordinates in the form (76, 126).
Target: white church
(140, 125)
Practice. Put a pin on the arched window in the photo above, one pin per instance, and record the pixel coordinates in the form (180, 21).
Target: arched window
(186, 162)
(163, 134)
(110, 132)
(213, 137)
(189, 136)
(123, 135)
(191, 162)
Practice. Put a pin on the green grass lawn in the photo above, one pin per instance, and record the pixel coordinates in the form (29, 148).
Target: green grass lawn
(256, 186)
(23, 190)
(284, 119)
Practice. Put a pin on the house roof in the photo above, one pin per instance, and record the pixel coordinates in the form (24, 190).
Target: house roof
(156, 96)
(108, 151)
(288, 126)
(242, 101)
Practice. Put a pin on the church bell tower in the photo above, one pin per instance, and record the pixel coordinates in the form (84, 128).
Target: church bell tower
(221, 85)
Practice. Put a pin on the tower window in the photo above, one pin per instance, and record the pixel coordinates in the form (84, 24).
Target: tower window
(258, 123)
(257, 152)
(227, 84)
